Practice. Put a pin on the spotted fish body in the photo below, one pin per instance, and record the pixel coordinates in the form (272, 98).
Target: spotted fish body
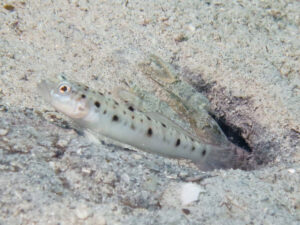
(101, 114)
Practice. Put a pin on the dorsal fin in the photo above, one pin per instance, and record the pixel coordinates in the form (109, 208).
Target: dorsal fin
(128, 97)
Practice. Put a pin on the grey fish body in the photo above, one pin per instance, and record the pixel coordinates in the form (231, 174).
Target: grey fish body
(103, 115)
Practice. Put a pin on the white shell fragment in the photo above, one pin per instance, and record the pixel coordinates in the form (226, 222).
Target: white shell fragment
(190, 193)
(291, 170)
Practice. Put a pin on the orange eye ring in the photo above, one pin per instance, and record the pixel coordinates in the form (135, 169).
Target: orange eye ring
(64, 88)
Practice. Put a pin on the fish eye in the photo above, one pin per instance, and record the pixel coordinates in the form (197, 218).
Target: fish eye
(64, 88)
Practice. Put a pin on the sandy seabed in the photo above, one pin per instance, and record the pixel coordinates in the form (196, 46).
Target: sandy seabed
(243, 55)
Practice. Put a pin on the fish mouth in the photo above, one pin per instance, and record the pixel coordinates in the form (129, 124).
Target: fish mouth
(45, 88)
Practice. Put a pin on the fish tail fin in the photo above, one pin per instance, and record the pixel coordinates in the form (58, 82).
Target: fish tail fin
(229, 157)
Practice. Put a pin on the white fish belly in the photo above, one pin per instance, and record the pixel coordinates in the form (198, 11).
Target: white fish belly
(157, 142)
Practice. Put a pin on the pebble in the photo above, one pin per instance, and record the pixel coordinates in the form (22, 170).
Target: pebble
(86, 170)
(151, 183)
(191, 27)
(3, 132)
(83, 212)
(190, 193)
(291, 171)
(62, 143)
(137, 157)
(125, 178)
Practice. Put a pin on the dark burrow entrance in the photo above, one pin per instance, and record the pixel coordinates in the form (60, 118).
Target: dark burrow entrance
(234, 134)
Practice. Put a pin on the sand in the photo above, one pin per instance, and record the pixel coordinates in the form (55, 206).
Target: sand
(244, 56)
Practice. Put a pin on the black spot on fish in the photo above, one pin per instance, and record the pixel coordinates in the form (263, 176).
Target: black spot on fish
(132, 117)
(124, 112)
(86, 88)
(131, 108)
(132, 126)
(83, 96)
(142, 120)
(149, 132)
(104, 112)
(115, 118)
(116, 103)
(193, 148)
(100, 93)
(204, 152)
(164, 125)
(148, 118)
(177, 142)
(97, 104)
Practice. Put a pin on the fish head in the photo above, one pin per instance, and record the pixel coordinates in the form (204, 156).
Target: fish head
(65, 97)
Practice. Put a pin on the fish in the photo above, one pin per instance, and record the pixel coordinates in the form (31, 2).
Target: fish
(102, 114)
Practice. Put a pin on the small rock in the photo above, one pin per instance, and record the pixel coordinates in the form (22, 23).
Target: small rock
(180, 38)
(291, 171)
(86, 170)
(3, 132)
(83, 212)
(190, 193)
(151, 183)
(125, 178)
(186, 211)
(9, 7)
(62, 143)
(191, 27)
(137, 157)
